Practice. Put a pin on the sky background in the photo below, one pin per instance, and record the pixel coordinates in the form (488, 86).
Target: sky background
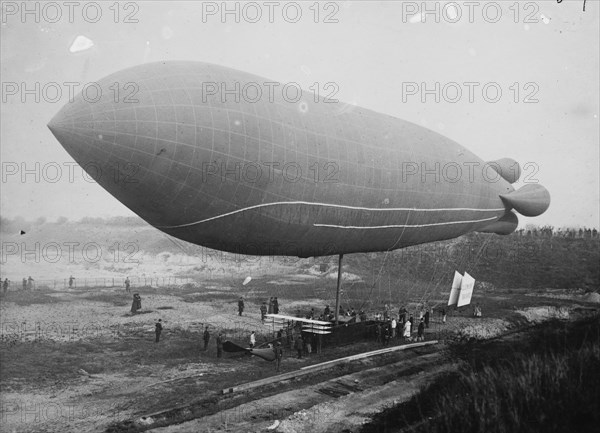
(369, 53)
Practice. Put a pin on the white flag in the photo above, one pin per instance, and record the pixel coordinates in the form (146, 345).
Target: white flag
(466, 290)
(455, 288)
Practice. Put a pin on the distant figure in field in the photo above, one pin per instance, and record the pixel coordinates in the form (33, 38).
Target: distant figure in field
(407, 330)
(278, 354)
(327, 311)
(394, 324)
(426, 317)
(127, 284)
(5, 285)
(252, 339)
(24, 283)
(219, 345)
(206, 337)
(158, 329)
(443, 312)
(240, 306)
(275, 305)
(263, 312)
(279, 335)
(309, 344)
(30, 283)
(137, 303)
(421, 331)
(299, 345)
(271, 305)
(71, 281)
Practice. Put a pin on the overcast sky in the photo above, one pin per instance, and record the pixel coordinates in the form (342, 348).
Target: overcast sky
(372, 52)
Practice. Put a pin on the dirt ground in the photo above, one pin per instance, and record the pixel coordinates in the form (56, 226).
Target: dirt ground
(78, 360)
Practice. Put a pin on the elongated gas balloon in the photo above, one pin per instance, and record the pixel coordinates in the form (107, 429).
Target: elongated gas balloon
(240, 163)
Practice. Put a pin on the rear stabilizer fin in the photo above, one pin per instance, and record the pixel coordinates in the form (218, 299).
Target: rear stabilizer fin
(531, 200)
(504, 226)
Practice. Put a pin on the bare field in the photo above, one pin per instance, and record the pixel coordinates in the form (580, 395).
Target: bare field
(78, 360)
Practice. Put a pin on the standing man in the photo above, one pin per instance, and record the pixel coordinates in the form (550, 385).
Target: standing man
(263, 312)
(394, 324)
(386, 335)
(136, 304)
(240, 306)
(275, 305)
(127, 283)
(71, 280)
(421, 331)
(278, 354)
(206, 338)
(24, 283)
(252, 340)
(271, 305)
(443, 315)
(402, 315)
(427, 318)
(158, 329)
(299, 345)
(219, 345)
(30, 283)
(5, 285)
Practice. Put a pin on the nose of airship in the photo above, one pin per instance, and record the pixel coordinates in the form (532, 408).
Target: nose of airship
(63, 127)
(117, 152)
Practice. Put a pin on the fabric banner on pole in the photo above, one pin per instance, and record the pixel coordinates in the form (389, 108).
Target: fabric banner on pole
(455, 288)
(466, 290)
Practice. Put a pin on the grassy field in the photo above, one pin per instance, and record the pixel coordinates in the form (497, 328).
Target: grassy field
(545, 382)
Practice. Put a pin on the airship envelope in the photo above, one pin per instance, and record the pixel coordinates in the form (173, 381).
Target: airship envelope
(241, 163)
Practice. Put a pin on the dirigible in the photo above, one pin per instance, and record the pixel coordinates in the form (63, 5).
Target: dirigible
(236, 162)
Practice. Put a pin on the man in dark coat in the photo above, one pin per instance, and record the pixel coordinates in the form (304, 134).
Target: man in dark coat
(299, 345)
(263, 311)
(427, 318)
(206, 337)
(275, 305)
(137, 303)
(421, 331)
(240, 306)
(386, 335)
(158, 329)
(278, 354)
